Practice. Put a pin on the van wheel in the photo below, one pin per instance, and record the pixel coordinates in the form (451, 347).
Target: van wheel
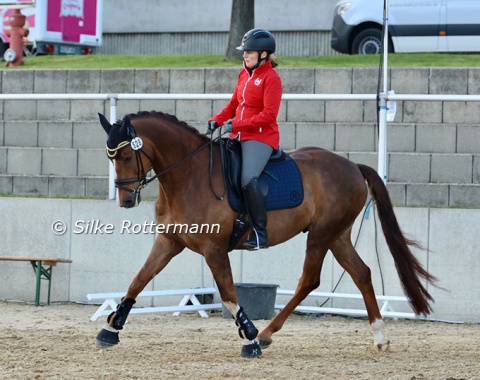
(3, 48)
(369, 41)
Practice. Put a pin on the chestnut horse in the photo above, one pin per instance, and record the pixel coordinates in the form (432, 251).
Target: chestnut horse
(335, 192)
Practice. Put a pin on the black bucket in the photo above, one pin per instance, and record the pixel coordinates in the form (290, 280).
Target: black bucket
(257, 300)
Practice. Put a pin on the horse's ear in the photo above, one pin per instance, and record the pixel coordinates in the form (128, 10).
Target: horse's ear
(126, 122)
(105, 123)
(130, 130)
(125, 127)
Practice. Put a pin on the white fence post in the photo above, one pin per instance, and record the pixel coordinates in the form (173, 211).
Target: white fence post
(111, 169)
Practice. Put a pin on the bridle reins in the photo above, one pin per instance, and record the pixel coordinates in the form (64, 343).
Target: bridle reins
(142, 175)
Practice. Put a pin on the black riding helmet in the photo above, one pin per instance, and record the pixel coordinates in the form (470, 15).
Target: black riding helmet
(258, 40)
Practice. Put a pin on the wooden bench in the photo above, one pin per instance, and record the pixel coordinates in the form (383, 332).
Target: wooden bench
(39, 265)
(189, 302)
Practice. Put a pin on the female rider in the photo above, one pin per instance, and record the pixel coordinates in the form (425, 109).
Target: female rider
(251, 117)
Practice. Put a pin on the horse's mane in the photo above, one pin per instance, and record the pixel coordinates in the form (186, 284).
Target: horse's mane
(170, 118)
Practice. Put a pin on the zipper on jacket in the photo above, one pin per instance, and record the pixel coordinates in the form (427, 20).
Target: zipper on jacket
(250, 76)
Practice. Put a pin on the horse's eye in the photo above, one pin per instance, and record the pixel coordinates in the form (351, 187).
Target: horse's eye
(128, 159)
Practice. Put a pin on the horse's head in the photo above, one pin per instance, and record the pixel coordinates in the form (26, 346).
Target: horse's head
(124, 149)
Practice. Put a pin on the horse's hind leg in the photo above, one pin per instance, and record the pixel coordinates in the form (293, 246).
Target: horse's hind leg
(219, 264)
(310, 280)
(348, 258)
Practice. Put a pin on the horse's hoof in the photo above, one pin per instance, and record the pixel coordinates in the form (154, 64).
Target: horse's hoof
(264, 343)
(383, 347)
(252, 350)
(107, 338)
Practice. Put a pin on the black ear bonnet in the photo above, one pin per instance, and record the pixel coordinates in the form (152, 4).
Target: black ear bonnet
(120, 135)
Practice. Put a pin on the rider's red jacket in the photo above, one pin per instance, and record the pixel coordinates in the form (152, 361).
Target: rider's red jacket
(254, 105)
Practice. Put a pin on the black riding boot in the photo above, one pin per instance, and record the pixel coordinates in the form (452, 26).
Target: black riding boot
(258, 214)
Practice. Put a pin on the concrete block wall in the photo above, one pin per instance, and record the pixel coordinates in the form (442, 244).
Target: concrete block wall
(108, 262)
(56, 147)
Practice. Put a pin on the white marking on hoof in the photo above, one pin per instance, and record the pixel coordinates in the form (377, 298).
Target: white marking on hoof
(380, 342)
(384, 347)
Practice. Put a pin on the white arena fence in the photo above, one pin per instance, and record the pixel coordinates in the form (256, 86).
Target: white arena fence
(113, 98)
(189, 302)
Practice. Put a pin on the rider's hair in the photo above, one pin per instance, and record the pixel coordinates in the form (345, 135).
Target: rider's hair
(273, 60)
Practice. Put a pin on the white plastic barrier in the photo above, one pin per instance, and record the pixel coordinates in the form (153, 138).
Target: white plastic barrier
(386, 310)
(189, 295)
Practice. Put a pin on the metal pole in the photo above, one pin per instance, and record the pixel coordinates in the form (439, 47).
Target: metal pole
(382, 132)
(111, 171)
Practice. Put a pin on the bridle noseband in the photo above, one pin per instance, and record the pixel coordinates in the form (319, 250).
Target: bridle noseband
(141, 179)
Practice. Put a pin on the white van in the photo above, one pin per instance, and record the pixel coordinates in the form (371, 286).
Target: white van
(413, 26)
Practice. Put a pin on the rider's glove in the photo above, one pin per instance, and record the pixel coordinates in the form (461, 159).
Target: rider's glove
(211, 126)
(227, 126)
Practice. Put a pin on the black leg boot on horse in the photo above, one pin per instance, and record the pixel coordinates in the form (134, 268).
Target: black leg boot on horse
(258, 216)
(108, 335)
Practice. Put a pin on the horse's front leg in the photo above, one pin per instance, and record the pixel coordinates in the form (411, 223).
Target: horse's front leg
(219, 264)
(162, 252)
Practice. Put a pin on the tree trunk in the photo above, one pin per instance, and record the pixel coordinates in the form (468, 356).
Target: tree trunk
(241, 21)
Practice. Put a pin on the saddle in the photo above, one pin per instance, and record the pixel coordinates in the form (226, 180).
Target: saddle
(280, 182)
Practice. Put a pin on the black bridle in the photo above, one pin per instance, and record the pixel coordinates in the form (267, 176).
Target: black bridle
(142, 179)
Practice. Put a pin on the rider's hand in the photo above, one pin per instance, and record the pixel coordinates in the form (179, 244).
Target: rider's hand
(211, 126)
(227, 126)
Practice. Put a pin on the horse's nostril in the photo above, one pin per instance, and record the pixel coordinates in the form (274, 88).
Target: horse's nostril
(128, 203)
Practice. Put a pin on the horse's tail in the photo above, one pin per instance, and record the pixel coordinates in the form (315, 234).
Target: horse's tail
(408, 267)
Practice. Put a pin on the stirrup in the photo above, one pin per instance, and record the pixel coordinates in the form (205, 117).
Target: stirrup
(254, 244)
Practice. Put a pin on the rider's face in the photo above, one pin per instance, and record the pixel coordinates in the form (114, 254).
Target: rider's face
(251, 57)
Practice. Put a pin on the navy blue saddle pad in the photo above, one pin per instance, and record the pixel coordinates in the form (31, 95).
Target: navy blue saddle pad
(284, 182)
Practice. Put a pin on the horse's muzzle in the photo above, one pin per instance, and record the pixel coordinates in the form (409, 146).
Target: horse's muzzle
(130, 201)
